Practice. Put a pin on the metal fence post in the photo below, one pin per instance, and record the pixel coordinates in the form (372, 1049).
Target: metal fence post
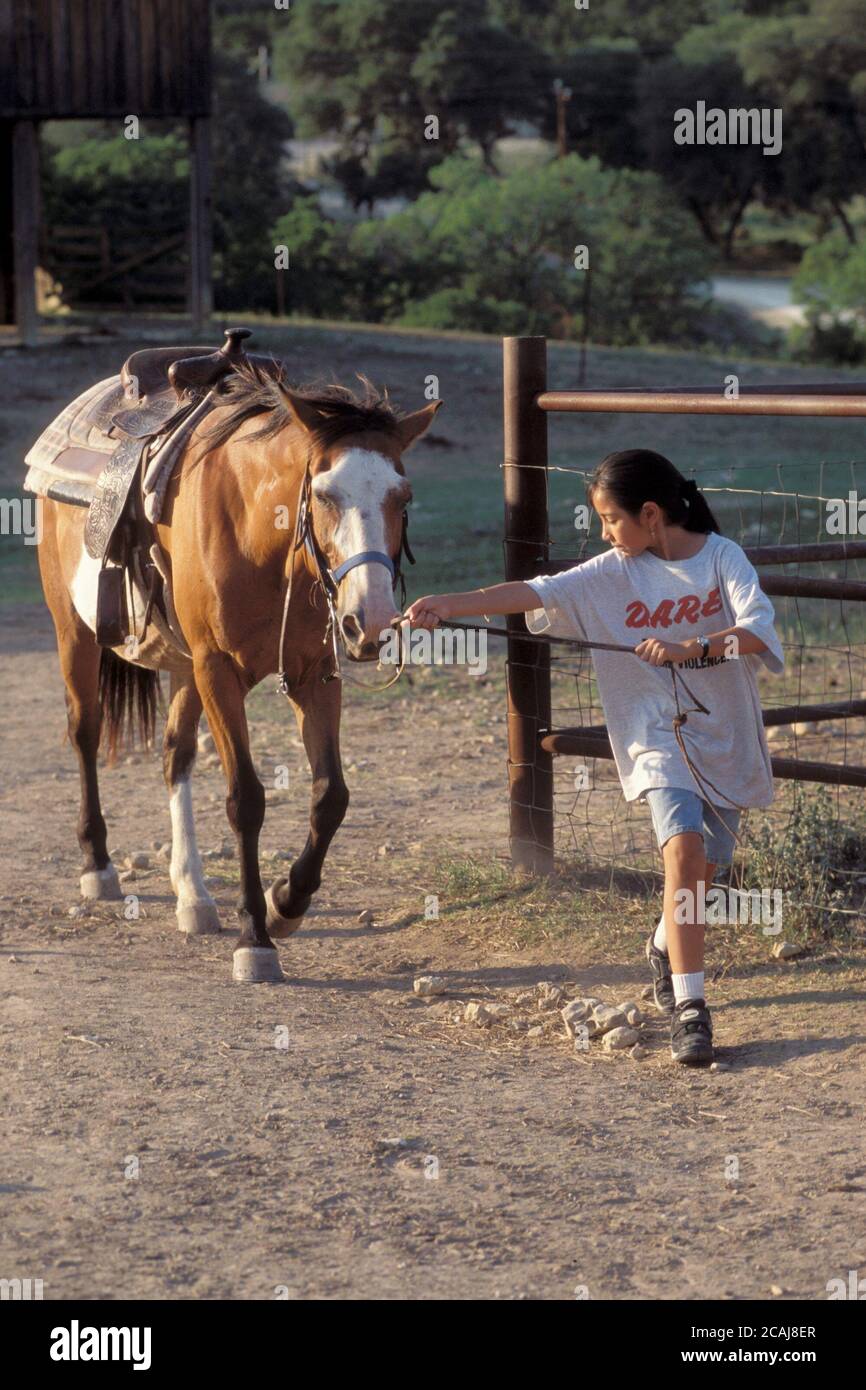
(530, 769)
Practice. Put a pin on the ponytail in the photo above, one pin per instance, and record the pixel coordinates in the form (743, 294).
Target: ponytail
(635, 476)
(700, 516)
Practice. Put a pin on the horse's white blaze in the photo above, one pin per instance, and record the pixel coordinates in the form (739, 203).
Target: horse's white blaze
(187, 878)
(359, 482)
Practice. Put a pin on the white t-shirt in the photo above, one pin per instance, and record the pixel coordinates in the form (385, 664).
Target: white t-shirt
(627, 598)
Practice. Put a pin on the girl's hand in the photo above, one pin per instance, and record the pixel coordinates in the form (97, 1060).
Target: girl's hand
(429, 611)
(657, 653)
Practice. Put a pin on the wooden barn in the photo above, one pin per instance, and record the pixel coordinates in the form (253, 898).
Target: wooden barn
(104, 59)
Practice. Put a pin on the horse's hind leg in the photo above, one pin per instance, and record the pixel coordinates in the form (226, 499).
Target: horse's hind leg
(84, 716)
(79, 663)
(196, 909)
(222, 692)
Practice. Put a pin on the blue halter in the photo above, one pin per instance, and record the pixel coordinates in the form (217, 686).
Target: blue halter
(365, 557)
(329, 579)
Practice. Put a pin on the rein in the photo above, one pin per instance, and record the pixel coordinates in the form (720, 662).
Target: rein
(677, 680)
(329, 581)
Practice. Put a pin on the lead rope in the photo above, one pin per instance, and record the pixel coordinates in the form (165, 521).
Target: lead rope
(703, 781)
(680, 718)
(282, 679)
(302, 535)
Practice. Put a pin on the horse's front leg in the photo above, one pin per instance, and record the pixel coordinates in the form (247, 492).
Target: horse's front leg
(196, 909)
(317, 710)
(222, 691)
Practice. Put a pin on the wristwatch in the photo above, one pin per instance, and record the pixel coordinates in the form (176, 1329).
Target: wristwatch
(704, 644)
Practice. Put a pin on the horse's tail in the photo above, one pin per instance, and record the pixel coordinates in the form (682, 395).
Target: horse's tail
(128, 695)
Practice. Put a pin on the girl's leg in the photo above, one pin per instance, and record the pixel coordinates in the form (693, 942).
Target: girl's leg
(686, 867)
(660, 934)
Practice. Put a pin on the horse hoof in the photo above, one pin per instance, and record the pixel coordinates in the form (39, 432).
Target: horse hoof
(278, 926)
(198, 919)
(101, 885)
(257, 965)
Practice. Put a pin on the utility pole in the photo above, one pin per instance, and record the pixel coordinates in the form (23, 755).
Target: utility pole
(563, 97)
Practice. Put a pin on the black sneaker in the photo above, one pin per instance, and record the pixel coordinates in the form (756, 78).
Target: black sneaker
(692, 1033)
(660, 965)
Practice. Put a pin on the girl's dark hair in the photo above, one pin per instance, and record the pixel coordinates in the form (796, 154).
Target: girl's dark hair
(634, 476)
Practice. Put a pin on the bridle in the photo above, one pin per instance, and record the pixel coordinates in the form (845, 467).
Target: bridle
(329, 580)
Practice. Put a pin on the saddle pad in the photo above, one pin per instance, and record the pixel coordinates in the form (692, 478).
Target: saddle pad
(76, 492)
(84, 424)
(71, 476)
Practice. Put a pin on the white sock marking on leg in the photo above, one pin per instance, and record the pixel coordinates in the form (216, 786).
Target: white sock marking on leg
(187, 877)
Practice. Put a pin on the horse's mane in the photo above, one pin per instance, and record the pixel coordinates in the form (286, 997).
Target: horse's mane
(254, 390)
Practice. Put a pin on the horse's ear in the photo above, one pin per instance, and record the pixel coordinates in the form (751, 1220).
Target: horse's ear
(303, 410)
(411, 427)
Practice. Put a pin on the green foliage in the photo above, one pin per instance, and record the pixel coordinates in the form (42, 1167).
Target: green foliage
(497, 254)
(831, 284)
(374, 71)
(602, 116)
(105, 183)
(139, 189)
(716, 182)
(832, 276)
(813, 862)
(317, 280)
(250, 187)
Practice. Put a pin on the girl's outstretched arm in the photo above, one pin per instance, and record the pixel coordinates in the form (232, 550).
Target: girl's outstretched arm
(433, 609)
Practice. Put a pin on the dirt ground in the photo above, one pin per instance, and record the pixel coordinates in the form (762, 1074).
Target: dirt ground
(169, 1134)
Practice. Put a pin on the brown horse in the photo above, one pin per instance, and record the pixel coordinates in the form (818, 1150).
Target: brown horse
(229, 534)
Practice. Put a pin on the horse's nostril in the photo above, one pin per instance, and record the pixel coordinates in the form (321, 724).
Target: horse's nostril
(352, 629)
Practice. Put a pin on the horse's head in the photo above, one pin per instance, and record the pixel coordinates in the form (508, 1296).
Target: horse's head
(358, 495)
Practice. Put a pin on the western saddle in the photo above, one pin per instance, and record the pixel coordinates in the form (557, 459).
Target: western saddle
(99, 451)
(187, 371)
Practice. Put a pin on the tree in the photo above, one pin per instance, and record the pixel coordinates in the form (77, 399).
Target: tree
(128, 186)
(498, 254)
(251, 186)
(813, 64)
(602, 114)
(715, 182)
(374, 71)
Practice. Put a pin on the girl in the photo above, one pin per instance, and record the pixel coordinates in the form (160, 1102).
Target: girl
(680, 594)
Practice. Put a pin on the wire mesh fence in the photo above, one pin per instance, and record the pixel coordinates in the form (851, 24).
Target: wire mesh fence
(814, 712)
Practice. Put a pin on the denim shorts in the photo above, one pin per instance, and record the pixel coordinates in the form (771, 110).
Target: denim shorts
(676, 809)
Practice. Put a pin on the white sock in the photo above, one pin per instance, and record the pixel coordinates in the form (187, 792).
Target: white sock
(688, 986)
(660, 939)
